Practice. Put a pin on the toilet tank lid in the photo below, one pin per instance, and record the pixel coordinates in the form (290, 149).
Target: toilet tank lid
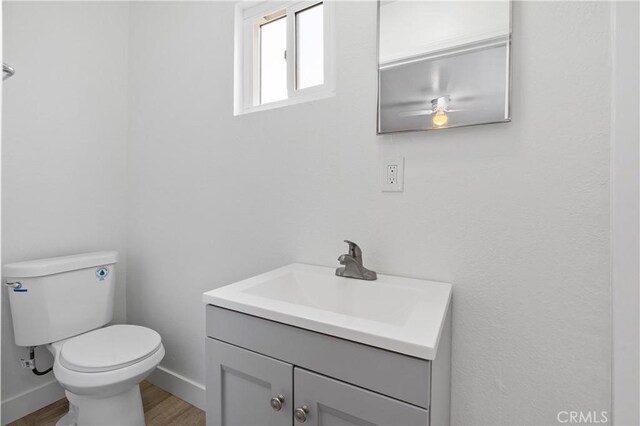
(56, 265)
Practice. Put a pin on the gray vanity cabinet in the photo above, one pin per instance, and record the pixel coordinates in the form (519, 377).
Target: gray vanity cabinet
(318, 380)
(241, 385)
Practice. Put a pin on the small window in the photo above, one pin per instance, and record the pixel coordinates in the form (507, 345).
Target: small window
(309, 47)
(273, 60)
(283, 54)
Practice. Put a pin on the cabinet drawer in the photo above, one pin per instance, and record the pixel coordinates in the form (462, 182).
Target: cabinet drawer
(398, 376)
(328, 402)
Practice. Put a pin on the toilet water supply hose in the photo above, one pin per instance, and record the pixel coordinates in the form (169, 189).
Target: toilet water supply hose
(32, 358)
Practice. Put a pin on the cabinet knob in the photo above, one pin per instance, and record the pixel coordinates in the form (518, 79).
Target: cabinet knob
(301, 413)
(277, 402)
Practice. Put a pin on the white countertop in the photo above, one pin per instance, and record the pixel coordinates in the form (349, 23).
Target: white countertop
(403, 315)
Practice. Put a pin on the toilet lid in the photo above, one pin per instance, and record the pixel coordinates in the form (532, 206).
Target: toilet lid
(109, 348)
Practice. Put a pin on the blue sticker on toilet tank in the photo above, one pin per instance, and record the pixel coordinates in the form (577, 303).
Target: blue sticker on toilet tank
(102, 273)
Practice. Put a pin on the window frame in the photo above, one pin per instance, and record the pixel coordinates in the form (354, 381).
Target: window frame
(249, 18)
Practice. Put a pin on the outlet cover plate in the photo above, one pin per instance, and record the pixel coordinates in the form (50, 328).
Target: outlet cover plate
(392, 174)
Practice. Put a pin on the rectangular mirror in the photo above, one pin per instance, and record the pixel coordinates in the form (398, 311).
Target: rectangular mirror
(443, 64)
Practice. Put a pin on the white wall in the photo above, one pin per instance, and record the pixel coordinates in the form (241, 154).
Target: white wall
(63, 152)
(515, 215)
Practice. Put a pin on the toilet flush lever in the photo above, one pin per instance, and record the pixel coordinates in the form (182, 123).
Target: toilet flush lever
(16, 285)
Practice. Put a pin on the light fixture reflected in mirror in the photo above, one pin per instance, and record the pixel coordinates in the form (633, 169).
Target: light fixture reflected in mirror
(440, 118)
(440, 106)
(439, 112)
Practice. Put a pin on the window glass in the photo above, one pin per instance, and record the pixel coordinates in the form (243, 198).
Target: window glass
(273, 63)
(309, 47)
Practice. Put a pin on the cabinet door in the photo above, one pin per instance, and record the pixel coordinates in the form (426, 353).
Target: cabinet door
(330, 402)
(241, 385)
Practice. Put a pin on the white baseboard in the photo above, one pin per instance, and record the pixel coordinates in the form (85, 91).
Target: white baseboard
(32, 400)
(180, 386)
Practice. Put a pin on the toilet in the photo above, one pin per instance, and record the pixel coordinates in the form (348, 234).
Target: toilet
(65, 303)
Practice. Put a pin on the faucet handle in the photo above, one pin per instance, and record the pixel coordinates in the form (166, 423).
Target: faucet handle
(354, 250)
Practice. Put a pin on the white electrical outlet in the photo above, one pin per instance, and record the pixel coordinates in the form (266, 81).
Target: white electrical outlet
(392, 174)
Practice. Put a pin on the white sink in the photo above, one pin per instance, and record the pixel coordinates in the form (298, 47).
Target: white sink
(399, 314)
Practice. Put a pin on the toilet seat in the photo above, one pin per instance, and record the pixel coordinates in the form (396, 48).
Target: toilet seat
(109, 348)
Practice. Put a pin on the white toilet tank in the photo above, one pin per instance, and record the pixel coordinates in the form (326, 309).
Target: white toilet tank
(52, 299)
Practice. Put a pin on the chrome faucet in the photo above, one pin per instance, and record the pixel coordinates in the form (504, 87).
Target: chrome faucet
(353, 267)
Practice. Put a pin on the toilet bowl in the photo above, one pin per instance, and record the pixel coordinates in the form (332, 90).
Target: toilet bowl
(65, 303)
(100, 371)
